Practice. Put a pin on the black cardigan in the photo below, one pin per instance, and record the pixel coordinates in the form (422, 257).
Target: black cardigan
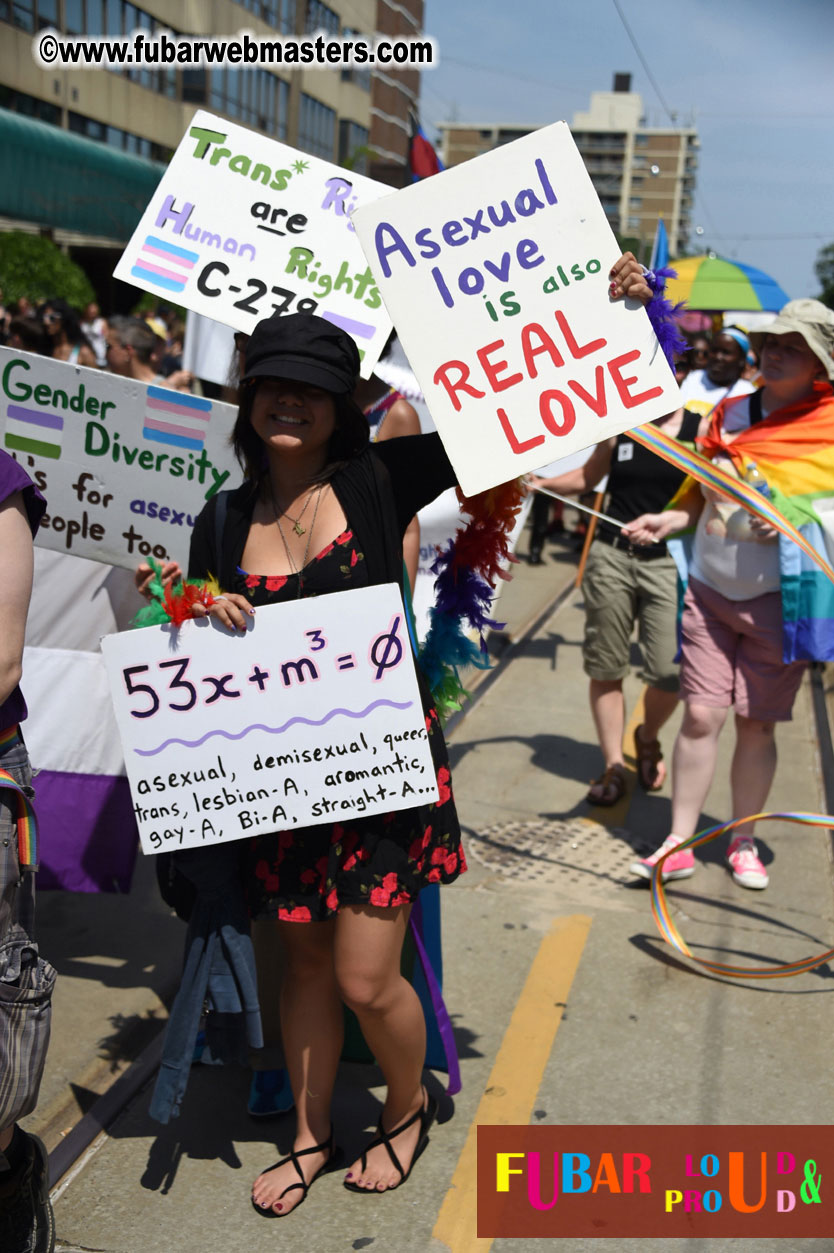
(380, 491)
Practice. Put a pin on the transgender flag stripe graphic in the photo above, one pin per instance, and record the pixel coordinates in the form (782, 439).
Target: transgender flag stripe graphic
(176, 418)
(163, 264)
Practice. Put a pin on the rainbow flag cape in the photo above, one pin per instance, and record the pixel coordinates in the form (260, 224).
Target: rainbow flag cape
(794, 449)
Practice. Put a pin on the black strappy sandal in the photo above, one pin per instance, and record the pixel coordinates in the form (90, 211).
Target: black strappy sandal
(333, 1162)
(426, 1117)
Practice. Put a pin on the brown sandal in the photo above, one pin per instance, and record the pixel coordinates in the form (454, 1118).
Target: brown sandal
(613, 781)
(649, 758)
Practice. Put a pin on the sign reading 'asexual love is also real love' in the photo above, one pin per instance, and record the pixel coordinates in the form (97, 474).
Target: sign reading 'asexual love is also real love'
(312, 716)
(496, 274)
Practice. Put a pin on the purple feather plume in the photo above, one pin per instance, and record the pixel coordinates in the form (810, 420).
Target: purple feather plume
(662, 314)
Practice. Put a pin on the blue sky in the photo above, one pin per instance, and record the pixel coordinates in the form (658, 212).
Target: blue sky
(756, 75)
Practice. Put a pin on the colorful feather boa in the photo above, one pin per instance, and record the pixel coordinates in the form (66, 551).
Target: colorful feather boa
(466, 572)
(174, 602)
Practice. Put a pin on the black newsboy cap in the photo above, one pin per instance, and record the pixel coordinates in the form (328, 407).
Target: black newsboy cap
(305, 348)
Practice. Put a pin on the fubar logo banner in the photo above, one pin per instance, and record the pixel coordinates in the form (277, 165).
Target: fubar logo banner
(657, 1181)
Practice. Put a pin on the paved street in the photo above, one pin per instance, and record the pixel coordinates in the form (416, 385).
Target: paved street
(547, 916)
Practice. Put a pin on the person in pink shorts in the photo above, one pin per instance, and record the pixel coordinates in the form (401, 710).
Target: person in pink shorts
(740, 648)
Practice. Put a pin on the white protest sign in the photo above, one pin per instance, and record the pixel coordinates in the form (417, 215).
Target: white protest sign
(312, 716)
(241, 227)
(496, 275)
(125, 466)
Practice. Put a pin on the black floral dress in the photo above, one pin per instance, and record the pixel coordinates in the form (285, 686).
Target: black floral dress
(307, 873)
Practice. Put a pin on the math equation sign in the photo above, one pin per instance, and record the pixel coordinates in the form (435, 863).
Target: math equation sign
(312, 716)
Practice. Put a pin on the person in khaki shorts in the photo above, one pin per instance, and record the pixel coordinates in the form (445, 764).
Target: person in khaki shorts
(624, 586)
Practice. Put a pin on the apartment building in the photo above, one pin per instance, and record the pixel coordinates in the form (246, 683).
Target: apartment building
(640, 172)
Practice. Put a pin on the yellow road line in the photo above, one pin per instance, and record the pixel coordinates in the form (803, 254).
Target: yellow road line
(638, 715)
(513, 1085)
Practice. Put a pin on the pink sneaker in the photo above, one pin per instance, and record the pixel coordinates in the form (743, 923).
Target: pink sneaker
(743, 859)
(678, 866)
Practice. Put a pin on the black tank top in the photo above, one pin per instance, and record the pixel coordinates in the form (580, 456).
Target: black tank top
(641, 482)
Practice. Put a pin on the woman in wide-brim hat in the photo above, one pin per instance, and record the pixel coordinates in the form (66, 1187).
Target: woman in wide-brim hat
(750, 622)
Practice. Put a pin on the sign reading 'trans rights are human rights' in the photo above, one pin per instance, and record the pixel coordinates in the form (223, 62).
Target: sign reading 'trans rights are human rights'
(496, 275)
(242, 227)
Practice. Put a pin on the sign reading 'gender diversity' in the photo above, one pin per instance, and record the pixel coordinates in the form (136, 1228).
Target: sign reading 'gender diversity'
(496, 275)
(242, 227)
(312, 716)
(125, 466)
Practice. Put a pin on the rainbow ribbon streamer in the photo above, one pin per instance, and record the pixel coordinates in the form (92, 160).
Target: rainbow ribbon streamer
(670, 933)
(697, 467)
(27, 826)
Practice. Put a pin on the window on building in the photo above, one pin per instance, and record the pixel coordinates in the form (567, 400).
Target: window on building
(21, 13)
(316, 128)
(353, 145)
(125, 141)
(256, 97)
(279, 14)
(641, 141)
(636, 202)
(94, 17)
(47, 14)
(356, 74)
(321, 17)
(29, 106)
(194, 86)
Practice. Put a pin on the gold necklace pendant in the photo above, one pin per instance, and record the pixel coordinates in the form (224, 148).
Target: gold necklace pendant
(298, 528)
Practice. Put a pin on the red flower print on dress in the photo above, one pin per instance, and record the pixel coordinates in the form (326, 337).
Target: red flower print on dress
(353, 557)
(272, 883)
(443, 781)
(325, 552)
(262, 869)
(308, 876)
(344, 538)
(451, 863)
(382, 895)
(332, 901)
(349, 862)
(285, 839)
(402, 898)
(275, 582)
(300, 914)
(416, 849)
(252, 580)
(433, 876)
(438, 856)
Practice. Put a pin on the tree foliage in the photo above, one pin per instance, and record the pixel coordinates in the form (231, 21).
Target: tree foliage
(33, 266)
(824, 270)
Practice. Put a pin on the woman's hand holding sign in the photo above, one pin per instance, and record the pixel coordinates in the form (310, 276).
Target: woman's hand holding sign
(628, 279)
(230, 610)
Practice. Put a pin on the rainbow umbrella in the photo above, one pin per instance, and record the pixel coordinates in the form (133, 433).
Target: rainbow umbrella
(713, 282)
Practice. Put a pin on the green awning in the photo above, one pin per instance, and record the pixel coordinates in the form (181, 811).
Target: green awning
(55, 178)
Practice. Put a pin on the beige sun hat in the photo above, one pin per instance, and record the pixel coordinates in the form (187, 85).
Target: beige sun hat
(811, 319)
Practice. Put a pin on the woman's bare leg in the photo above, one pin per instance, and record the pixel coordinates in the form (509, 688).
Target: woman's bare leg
(312, 1026)
(368, 947)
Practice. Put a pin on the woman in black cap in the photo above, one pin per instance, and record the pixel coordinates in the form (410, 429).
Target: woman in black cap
(323, 510)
